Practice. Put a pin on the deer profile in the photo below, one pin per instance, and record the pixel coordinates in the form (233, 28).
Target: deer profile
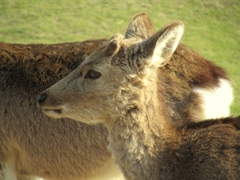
(32, 145)
(121, 85)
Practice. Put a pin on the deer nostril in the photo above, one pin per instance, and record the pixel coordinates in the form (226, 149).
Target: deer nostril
(41, 98)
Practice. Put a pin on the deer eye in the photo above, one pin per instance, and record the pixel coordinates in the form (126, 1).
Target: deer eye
(92, 74)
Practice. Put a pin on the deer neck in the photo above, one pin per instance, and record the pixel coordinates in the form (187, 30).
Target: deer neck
(136, 138)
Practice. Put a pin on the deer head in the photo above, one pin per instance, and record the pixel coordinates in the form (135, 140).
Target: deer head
(110, 81)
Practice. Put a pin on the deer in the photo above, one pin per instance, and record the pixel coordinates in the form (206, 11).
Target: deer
(32, 145)
(121, 86)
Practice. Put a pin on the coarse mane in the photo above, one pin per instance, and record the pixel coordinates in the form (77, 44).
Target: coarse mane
(39, 63)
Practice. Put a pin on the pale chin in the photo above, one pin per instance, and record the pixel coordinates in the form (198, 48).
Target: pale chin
(56, 114)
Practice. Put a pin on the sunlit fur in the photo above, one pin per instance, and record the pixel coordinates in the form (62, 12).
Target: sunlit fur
(63, 149)
(216, 101)
(130, 99)
(33, 145)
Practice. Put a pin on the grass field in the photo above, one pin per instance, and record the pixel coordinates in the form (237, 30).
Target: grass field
(212, 28)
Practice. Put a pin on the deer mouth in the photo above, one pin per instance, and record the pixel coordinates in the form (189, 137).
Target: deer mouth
(54, 113)
(58, 111)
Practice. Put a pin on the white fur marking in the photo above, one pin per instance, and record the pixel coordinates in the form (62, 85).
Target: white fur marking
(217, 101)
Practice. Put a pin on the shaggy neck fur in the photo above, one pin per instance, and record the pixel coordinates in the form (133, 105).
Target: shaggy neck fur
(137, 138)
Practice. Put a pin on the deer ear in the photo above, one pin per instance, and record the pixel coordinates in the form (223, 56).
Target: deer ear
(160, 47)
(140, 27)
(113, 45)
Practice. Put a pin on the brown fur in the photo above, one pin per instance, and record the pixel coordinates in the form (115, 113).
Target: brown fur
(128, 96)
(64, 149)
(50, 149)
(185, 70)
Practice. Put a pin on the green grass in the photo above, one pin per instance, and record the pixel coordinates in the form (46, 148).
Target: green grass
(212, 28)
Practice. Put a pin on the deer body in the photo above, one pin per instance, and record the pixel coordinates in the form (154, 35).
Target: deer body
(32, 145)
(122, 86)
(202, 150)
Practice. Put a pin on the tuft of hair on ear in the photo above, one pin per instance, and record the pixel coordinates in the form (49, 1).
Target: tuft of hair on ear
(140, 27)
(160, 47)
(113, 45)
(169, 41)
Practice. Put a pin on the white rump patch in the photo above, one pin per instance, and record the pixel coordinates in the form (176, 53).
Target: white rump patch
(216, 101)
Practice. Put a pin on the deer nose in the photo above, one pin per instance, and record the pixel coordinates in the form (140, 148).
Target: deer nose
(41, 98)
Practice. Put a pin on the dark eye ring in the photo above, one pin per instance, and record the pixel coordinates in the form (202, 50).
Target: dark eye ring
(91, 74)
